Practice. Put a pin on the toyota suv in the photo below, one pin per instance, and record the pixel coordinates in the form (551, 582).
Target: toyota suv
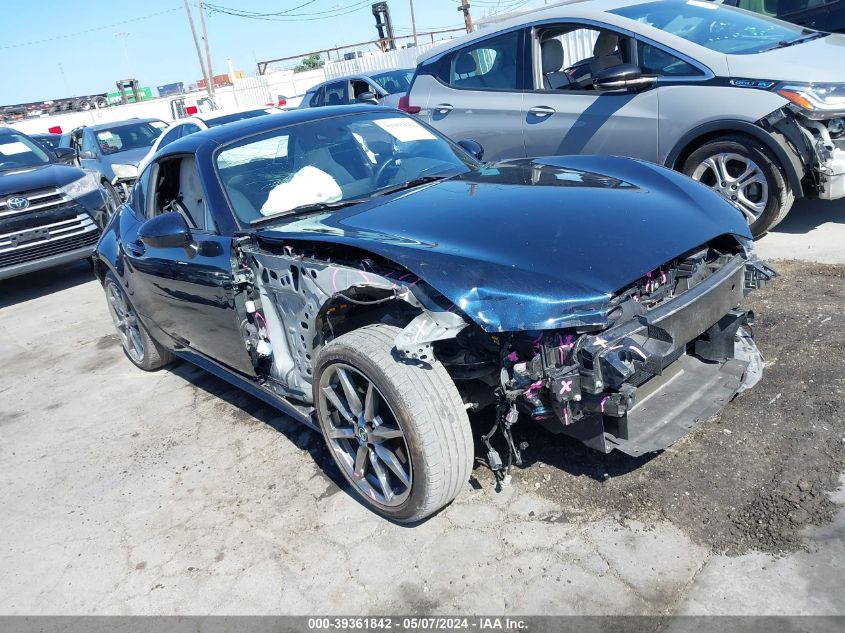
(51, 213)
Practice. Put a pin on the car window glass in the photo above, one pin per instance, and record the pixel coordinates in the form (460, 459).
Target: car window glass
(656, 61)
(88, 144)
(171, 136)
(317, 99)
(490, 64)
(394, 81)
(336, 93)
(359, 87)
(717, 27)
(330, 160)
(17, 150)
(178, 188)
(571, 55)
(138, 197)
(129, 136)
(190, 128)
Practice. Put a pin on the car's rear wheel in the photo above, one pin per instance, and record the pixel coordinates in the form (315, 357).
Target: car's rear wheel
(139, 346)
(744, 172)
(398, 431)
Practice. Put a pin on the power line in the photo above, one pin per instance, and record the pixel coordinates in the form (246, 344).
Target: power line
(86, 31)
(287, 16)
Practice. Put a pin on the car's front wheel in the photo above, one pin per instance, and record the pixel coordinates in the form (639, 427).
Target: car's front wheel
(139, 346)
(398, 431)
(743, 171)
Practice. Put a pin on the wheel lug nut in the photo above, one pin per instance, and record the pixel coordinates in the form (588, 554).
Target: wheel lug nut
(724, 184)
(733, 197)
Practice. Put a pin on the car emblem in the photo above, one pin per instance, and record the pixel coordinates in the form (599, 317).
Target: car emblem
(17, 203)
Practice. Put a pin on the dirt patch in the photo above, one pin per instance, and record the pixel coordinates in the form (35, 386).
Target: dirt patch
(756, 474)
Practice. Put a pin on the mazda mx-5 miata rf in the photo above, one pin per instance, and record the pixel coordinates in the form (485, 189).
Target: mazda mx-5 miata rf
(376, 281)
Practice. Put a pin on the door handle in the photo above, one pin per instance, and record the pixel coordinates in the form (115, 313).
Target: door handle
(443, 108)
(542, 111)
(136, 248)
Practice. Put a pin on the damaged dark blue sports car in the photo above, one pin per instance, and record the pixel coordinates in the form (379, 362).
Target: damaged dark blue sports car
(376, 281)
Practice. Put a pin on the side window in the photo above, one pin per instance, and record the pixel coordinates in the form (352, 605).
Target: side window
(336, 94)
(171, 136)
(359, 87)
(656, 61)
(570, 55)
(489, 64)
(88, 144)
(138, 198)
(178, 189)
(316, 98)
(190, 128)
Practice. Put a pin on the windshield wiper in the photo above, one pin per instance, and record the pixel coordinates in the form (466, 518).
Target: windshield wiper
(314, 207)
(798, 40)
(416, 182)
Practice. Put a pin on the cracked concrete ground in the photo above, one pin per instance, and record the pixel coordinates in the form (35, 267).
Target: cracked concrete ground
(166, 493)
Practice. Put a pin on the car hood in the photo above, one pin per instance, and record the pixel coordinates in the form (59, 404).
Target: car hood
(533, 244)
(817, 61)
(41, 177)
(129, 157)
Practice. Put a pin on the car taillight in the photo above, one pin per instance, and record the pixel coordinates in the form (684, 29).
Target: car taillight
(405, 105)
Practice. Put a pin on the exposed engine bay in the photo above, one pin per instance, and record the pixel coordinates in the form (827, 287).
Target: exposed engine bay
(818, 143)
(675, 348)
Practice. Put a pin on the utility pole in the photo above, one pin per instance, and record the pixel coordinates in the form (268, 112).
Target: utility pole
(467, 17)
(413, 23)
(199, 52)
(207, 48)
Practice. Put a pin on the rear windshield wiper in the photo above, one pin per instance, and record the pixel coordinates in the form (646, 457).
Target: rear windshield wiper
(416, 182)
(798, 40)
(313, 207)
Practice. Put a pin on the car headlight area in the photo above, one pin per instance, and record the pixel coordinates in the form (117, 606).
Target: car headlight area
(125, 172)
(81, 187)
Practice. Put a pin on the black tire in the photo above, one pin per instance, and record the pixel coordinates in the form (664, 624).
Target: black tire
(425, 403)
(780, 194)
(153, 356)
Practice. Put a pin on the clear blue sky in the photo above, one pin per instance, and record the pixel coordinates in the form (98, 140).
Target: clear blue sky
(46, 52)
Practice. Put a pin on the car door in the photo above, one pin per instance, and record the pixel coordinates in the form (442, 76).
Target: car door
(565, 114)
(89, 151)
(475, 92)
(188, 294)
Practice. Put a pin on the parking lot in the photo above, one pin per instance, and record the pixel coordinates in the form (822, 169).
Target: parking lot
(171, 492)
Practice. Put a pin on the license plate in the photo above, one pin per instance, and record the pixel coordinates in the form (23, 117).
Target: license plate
(33, 235)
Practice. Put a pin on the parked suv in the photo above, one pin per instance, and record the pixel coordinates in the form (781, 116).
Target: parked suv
(114, 150)
(749, 105)
(385, 88)
(51, 213)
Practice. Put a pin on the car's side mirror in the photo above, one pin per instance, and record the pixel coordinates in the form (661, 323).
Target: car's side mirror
(472, 147)
(87, 154)
(622, 77)
(367, 97)
(65, 155)
(168, 230)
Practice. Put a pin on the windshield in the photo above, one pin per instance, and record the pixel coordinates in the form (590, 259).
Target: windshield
(717, 27)
(129, 136)
(17, 150)
(394, 81)
(330, 161)
(239, 116)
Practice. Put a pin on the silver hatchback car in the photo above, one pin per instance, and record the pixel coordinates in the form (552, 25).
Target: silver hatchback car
(751, 106)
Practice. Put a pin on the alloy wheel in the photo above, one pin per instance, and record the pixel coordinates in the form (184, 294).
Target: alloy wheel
(738, 179)
(125, 321)
(364, 434)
